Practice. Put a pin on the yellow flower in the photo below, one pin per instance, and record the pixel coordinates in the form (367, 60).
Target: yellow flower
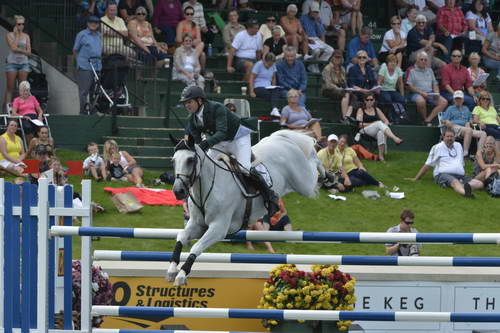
(289, 305)
(280, 306)
(308, 299)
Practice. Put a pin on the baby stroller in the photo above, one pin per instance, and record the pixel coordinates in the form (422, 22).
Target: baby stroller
(110, 89)
(38, 81)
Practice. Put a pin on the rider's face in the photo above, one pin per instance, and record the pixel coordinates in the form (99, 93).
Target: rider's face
(191, 106)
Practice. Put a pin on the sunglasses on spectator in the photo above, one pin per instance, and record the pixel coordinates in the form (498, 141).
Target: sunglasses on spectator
(189, 14)
(140, 13)
(485, 99)
(423, 59)
(456, 55)
(19, 23)
(409, 222)
(293, 96)
(362, 57)
(369, 99)
(271, 20)
(337, 57)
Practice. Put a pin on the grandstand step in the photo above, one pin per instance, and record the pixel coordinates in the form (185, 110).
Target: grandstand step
(140, 141)
(142, 122)
(150, 132)
(153, 151)
(159, 163)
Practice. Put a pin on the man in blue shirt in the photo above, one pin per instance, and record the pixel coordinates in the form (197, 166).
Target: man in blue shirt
(87, 49)
(362, 42)
(458, 118)
(291, 74)
(315, 32)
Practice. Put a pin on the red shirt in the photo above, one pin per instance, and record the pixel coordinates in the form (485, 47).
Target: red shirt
(451, 19)
(25, 107)
(456, 78)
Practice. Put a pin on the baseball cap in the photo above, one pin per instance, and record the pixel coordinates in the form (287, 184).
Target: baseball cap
(94, 19)
(314, 7)
(332, 137)
(458, 94)
(243, 1)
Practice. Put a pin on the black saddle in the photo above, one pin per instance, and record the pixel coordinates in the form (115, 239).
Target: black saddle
(246, 180)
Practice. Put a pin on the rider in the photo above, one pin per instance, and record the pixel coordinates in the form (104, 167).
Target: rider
(224, 131)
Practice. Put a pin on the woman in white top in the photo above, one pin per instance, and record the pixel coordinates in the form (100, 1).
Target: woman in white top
(479, 20)
(186, 62)
(475, 71)
(262, 77)
(134, 172)
(394, 42)
(17, 63)
(410, 21)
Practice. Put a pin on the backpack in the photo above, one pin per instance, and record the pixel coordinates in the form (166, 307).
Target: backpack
(397, 114)
(493, 187)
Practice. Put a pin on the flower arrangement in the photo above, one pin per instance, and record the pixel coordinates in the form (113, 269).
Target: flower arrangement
(102, 292)
(324, 288)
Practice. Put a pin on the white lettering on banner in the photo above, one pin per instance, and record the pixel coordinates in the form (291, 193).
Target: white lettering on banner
(476, 299)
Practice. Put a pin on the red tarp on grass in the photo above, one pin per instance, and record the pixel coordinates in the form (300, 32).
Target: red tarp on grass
(147, 196)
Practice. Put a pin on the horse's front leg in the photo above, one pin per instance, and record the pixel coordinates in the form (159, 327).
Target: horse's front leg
(191, 231)
(216, 232)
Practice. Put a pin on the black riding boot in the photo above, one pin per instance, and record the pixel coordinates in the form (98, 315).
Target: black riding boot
(270, 197)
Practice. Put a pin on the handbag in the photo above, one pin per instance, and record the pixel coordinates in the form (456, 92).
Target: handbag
(126, 203)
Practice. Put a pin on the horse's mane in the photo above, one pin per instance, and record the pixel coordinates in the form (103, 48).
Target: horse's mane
(302, 140)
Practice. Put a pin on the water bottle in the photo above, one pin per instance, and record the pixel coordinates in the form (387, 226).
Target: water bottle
(210, 51)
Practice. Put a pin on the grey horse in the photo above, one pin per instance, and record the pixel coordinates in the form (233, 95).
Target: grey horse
(216, 203)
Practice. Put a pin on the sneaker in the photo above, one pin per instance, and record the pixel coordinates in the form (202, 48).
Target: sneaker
(275, 112)
(308, 57)
(313, 68)
(468, 191)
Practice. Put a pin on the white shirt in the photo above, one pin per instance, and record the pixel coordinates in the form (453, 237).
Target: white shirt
(325, 11)
(246, 46)
(95, 159)
(199, 115)
(389, 35)
(446, 160)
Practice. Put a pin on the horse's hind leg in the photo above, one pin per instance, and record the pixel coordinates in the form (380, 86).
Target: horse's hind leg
(216, 232)
(192, 231)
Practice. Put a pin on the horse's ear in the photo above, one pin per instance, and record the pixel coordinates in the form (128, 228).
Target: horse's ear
(175, 141)
(190, 141)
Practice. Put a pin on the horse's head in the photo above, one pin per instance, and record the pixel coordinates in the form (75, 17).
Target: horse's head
(186, 167)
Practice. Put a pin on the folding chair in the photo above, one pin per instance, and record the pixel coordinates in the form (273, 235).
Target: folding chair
(242, 106)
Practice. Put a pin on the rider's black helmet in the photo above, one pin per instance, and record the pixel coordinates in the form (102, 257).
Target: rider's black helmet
(191, 92)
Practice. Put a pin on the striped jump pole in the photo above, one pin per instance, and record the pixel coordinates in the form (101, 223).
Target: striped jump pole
(298, 259)
(221, 313)
(105, 330)
(290, 236)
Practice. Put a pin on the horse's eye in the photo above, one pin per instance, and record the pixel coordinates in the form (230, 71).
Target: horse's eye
(190, 160)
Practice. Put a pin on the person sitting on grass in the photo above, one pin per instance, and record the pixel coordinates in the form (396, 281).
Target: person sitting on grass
(487, 160)
(447, 159)
(94, 163)
(11, 150)
(406, 221)
(459, 118)
(278, 222)
(327, 159)
(115, 170)
(127, 161)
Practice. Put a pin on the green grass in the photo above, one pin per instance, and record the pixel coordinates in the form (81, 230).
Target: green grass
(436, 210)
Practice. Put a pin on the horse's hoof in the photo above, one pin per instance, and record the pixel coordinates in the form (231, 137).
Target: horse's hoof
(180, 279)
(171, 272)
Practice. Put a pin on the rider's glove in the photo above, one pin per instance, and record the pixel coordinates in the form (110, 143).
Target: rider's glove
(204, 145)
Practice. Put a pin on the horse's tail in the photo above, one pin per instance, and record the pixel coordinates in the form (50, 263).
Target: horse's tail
(303, 141)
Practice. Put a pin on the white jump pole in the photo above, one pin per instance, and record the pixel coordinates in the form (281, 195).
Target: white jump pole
(86, 261)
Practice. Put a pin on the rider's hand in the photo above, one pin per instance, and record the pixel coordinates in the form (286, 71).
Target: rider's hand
(204, 145)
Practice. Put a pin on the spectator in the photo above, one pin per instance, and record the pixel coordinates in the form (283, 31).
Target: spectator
(128, 8)
(114, 26)
(350, 14)
(327, 20)
(315, 33)
(59, 177)
(188, 26)
(231, 29)
(128, 163)
(475, 71)
(347, 161)
(390, 78)
(467, 5)
(479, 20)
(294, 32)
(115, 170)
(93, 8)
(11, 150)
(422, 8)
(455, 76)
(293, 115)
(422, 38)
(491, 51)
(27, 106)
(394, 42)
(487, 160)
(447, 159)
(87, 48)
(274, 44)
(43, 142)
(362, 42)
(266, 30)
(372, 122)
(425, 89)
(207, 34)
(246, 11)
(245, 50)
(17, 63)
(43, 155)
(166, 17)
(263, 76)
(141, 33)
(291, 74)
(361, 77)
(410, 21)
(486, 116)
(459, 118)
(327, 158)
(452, 28)
(186, 64)
(407, 219)
(334, 83)
(93, 165)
